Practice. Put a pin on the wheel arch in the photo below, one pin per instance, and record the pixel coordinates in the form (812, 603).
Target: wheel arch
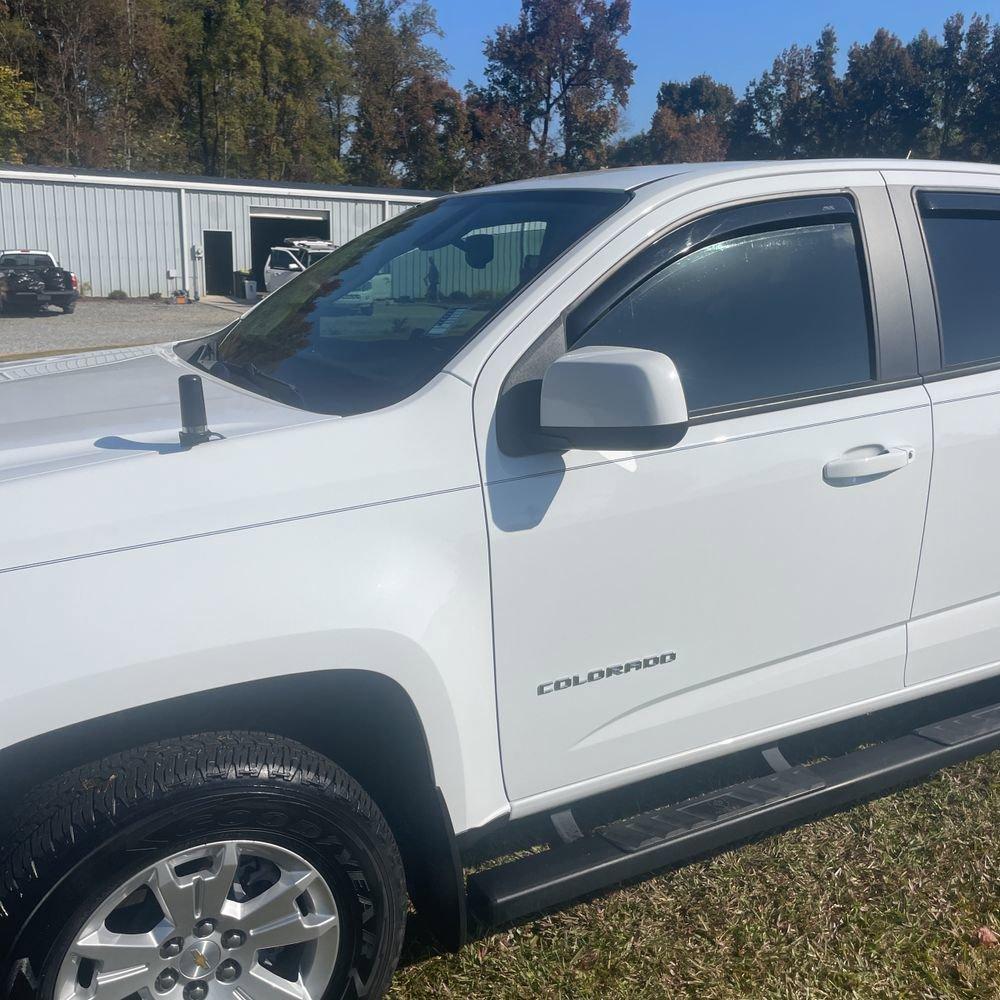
(363, 720)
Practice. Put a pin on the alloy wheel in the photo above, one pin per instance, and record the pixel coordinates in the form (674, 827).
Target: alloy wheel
(230, 920)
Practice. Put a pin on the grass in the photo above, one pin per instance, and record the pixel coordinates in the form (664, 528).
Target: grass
(882, 901)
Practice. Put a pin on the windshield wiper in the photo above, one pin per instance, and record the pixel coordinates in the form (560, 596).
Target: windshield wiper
(249, 372)
(205, 355)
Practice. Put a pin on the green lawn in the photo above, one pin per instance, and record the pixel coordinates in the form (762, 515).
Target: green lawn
(884, 900)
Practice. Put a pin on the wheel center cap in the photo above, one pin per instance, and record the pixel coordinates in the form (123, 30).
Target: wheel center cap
(200, 960)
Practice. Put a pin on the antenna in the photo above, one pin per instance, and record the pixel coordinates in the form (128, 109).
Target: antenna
(194, 423)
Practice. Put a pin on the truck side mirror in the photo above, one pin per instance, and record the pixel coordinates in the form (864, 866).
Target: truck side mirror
(613, 399)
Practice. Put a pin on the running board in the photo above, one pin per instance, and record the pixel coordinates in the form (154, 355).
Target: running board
(671, 835)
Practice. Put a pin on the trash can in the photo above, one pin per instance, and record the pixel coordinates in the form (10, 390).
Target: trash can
(250, 291)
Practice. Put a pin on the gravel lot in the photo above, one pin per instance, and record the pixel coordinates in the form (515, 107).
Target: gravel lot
(103, 323)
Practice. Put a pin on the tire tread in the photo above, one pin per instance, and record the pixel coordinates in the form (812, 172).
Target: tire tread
(100, 797)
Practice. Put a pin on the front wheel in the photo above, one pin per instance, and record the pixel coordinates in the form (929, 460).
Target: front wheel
(218, 866)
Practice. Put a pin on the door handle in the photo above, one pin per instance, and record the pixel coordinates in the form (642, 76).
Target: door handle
(862, 463)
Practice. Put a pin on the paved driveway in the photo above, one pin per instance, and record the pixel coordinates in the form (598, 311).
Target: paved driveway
(103, 323)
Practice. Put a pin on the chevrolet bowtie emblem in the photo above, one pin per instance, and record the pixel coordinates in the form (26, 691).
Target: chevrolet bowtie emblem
(199, 959)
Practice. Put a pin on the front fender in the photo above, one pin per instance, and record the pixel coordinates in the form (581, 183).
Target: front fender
(400, 589)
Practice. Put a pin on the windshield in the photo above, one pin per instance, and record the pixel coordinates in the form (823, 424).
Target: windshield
(378, 318)
(315, 256)
(25, 260)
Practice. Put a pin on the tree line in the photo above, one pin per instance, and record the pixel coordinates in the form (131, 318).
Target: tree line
(935, 97)
(314, 90)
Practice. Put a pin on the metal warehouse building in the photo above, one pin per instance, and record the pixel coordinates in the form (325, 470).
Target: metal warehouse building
(148, 233)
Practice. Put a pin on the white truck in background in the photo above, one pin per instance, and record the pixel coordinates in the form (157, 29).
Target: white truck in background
(285, 262)
(32, 280)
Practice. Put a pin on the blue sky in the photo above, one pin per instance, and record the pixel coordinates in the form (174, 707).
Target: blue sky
(732, 41)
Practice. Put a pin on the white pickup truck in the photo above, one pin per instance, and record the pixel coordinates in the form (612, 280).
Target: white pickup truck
(32, 280)
(635, 477)
(285, 263)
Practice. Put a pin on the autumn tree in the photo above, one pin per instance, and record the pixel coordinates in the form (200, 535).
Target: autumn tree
(957, 78)
(329, 91)
(500, 143)
(305, 74)
(691, 122)
(888, 98)
(979, 118)
(823, 135)
(802, 107)
(17, 114)
(265, 86)
(433, 136)
(223, 99)
(389, 52)
(59, 48)
(784, 112)
(562, 68)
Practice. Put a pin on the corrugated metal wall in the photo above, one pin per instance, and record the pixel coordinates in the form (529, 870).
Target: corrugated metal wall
(128, 236)
(395, 208)
(214, 210)
(512, 245)
(112, 237)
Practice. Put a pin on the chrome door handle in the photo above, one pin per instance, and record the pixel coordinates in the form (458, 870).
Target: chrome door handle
(866, 462)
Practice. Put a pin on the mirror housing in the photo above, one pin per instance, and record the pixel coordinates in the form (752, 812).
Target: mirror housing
(478, 250)
(613, 399)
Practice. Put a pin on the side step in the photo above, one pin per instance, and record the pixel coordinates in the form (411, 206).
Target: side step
(674, 834)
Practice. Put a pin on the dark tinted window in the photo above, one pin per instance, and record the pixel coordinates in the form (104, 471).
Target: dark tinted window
(25, 260)
(965, 256)
(755, 316)
(280, 260)
(381, 316)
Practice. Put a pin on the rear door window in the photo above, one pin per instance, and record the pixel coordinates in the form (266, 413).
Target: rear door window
(962, 231)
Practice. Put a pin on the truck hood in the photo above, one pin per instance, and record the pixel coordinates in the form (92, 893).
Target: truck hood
(90, 462)
(83, 409)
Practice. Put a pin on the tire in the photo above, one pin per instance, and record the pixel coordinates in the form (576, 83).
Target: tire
(69, 307)
(275, 822)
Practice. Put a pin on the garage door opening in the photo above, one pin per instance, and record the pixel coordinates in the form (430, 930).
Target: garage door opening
(268, 231)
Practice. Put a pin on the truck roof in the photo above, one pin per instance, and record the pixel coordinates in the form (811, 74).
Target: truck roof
(309, 243)
(630, 178)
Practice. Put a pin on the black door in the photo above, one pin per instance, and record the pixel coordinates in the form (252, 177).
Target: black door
(218, 262)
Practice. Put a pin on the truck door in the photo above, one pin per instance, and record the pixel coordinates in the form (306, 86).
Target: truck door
(280, 268)
(655, 608)
(952, 240)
